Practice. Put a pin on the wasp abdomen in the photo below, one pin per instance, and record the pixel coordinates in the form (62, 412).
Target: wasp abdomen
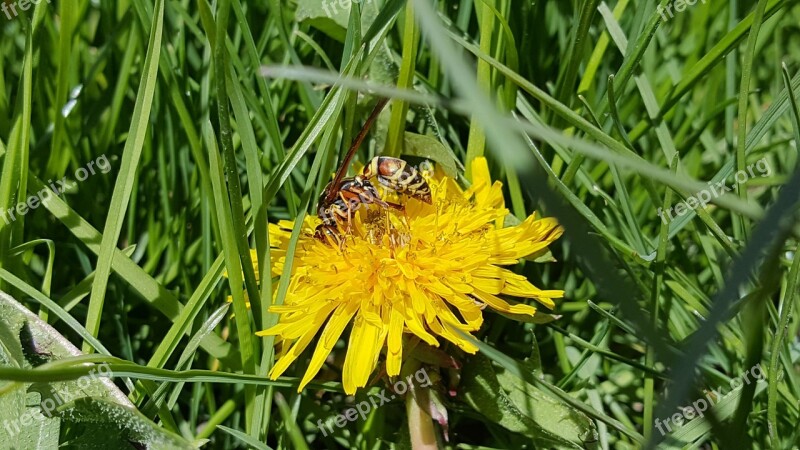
(399, 176)
(350, 195)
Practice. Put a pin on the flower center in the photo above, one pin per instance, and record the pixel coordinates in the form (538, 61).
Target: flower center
(387, 228)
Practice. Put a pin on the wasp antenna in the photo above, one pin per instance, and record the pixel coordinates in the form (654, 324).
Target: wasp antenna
(351, 152)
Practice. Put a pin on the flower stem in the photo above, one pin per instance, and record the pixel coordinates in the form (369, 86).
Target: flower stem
(420, 425)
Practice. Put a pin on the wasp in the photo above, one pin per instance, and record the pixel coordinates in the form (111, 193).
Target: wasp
(342, 197)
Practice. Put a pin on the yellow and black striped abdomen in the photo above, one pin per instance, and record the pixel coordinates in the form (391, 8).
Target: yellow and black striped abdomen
(399, 176)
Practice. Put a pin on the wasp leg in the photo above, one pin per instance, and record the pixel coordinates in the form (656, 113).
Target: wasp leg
(396, 206)
(402, 208)
(349, 220)
(387, 223)
(349, 207)
(405, 218)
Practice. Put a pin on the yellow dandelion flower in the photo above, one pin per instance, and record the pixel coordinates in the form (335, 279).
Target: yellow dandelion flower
(428, 271)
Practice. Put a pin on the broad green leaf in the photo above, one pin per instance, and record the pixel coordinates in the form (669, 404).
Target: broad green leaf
(331, 16)
(429, 147)
(519, 407)
(98, 423)
(554, 417)
(28, 414)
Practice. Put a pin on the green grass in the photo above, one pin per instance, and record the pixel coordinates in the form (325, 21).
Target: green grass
(597, 113)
